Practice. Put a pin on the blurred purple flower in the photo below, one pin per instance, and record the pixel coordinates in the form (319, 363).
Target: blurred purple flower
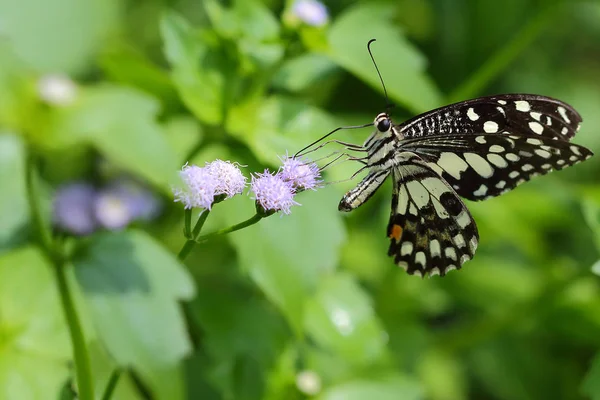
(199, 187)
(302, 174)
(122, 202)
(230, 180)
(74, 208)
(311, 12)
(272, 193)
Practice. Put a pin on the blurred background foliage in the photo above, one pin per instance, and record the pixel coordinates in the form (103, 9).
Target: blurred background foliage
(307, 305)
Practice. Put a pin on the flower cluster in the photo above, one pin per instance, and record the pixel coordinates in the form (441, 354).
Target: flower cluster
(275, 192)
(80, 208)
(219, 180)
(202, 184)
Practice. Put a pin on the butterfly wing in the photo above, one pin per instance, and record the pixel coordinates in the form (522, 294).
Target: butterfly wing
(430, 229)
(523, 114)
(487, 165)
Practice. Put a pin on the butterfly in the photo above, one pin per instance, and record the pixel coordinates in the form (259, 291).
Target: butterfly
(474, 149)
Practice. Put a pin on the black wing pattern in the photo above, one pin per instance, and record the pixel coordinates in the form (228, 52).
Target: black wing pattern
(486, 165)
(524, 114)
(430, 228)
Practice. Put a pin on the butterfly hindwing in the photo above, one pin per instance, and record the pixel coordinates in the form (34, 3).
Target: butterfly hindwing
(430, 228)
(523, 114)
(487, 165)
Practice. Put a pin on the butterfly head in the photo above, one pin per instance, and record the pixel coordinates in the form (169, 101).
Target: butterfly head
(383, 123)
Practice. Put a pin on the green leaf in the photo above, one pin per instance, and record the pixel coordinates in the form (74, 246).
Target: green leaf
(197, 78)
(591, 384)
(232, 338)
(286, 256)
(278, 125)
(132, 287)
(400, 63)
(387, 388)
(121, 123)
(58, 35)
(34, 344)
(341, 319)
(304, 72)
(14, 211)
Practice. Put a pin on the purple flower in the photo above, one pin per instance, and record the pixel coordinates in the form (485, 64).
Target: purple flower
(311, 12)
(199, 187)
(302, 174)
(272, 193)
(122, 202)
(74, 208)
(230, 180)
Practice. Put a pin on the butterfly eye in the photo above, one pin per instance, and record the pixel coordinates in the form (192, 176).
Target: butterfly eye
(384, 125)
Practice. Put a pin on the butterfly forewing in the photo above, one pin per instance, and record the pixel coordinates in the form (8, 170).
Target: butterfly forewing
(517, 113)
(430, 229)
(483, 166)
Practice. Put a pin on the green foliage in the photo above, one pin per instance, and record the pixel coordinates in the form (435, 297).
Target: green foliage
(306, 305)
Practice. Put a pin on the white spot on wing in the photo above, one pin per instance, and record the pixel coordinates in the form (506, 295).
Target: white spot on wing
(434, 248)
(513, 174)
(459, 240)
(490, 127)
(479, 164)
(542, 153)
(501, 184)
(452, 164)
(402, 200)
(575, 150)
(536, 127)
(527, 167)
(420, 258)
(406, 248)
(482, 191)
(536, 115)
(563, 114)
(496, 148)
(522, 105)
(480, 139)
(473, 116)
(503, 102)
(535, 142)
(512, 157)
(497, 160)
(418, 193)
(450, 253)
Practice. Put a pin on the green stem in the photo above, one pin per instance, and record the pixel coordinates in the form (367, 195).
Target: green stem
(34, 208)
(82, 359)
(55, 254)
(250, 221)
(503, 58)
(191, 242)
(200, 223)
(187, 227)
(112, 383)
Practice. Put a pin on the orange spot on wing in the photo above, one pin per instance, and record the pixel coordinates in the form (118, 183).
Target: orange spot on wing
(396, 232)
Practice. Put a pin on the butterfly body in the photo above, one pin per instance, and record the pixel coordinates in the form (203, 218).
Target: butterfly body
(474, 149)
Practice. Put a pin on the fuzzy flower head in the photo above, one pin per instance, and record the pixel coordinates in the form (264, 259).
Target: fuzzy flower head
(272, 193)
(199, 187)
(311, 12)
(73, 208)
(228, 176)
(301, 174)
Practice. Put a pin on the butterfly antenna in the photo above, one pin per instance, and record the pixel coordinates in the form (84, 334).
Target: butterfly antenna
(389, 105)
(299, 152)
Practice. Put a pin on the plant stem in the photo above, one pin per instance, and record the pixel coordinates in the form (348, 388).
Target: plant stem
(250, 221)
(191, 242)
(187, 227)
(200, 223)
(80, 354)
(112, 384)
(503, 58)
(56, 256)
